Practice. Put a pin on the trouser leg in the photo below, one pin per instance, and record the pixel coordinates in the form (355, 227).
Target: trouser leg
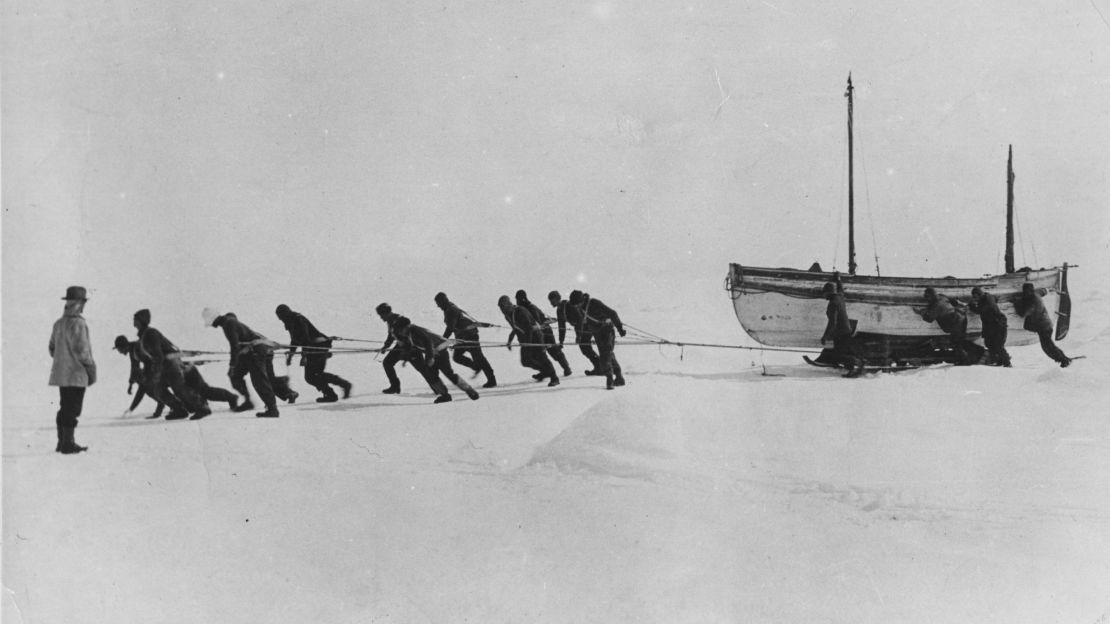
(389, 363)
(583, 342)
(314, 374)
(464, 355)
(605, 340)
(1049, 347)
(482, 363)
(71, 400)
(261, 373)
(174, 377)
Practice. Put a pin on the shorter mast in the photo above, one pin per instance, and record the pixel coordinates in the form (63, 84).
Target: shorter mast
(1010, 211)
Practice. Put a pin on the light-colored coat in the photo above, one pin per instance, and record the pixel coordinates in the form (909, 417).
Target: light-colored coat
(72, 351)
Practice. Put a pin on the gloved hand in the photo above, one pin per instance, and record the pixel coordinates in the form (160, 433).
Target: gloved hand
(622, 332)
(289, 358)
(509, 346)
(129, 387)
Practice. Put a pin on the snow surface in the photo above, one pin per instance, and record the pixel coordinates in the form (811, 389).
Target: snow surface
(717, 486)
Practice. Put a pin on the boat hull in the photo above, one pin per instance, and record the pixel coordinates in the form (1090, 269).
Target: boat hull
(785, 307)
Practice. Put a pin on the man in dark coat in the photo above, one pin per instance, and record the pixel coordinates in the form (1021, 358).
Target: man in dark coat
(554, 349)
(72, 369)
(162, 362)
(602, 323)
(315, 351)
(468, 350)
(401, 351)
(253, 354)
(566, 313)
(949, 317)
(839, 330)
(136, 377)
(994, 325)
(1031, 307)
(432, 349)
(196, 382)
(528, 331)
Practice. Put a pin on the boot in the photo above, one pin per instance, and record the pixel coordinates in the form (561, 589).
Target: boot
(69, 446)
(593, 372)
(245, 406)
(58, 449)
(271, 412)
(618, 381)
(292, 398)
(233, 403)
(470, 392)
(392, 390)
(491, 383)
(554, 382)
(177, 414)
(443, 398)
(329, 397)
(201, 413)
(346, 385)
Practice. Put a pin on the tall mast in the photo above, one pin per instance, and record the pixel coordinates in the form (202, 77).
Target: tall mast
(851, 188)
(1010, 211)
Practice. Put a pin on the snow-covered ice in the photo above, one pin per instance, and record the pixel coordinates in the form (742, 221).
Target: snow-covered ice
(715, 487)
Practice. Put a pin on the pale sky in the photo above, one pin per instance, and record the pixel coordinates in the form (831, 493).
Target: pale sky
(174, 155)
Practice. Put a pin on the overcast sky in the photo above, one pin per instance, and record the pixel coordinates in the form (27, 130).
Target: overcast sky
(174, 155)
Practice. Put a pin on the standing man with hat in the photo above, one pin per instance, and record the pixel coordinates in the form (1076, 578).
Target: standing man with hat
(73, 369)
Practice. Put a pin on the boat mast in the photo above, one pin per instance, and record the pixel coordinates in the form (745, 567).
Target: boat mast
(1010, 211)
(851, 188)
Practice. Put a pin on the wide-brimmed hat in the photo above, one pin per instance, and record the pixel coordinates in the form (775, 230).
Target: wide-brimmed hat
(76, 293)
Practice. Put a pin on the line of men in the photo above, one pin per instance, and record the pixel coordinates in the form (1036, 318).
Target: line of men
(426, 350)
(951, 316)
(159, 371)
